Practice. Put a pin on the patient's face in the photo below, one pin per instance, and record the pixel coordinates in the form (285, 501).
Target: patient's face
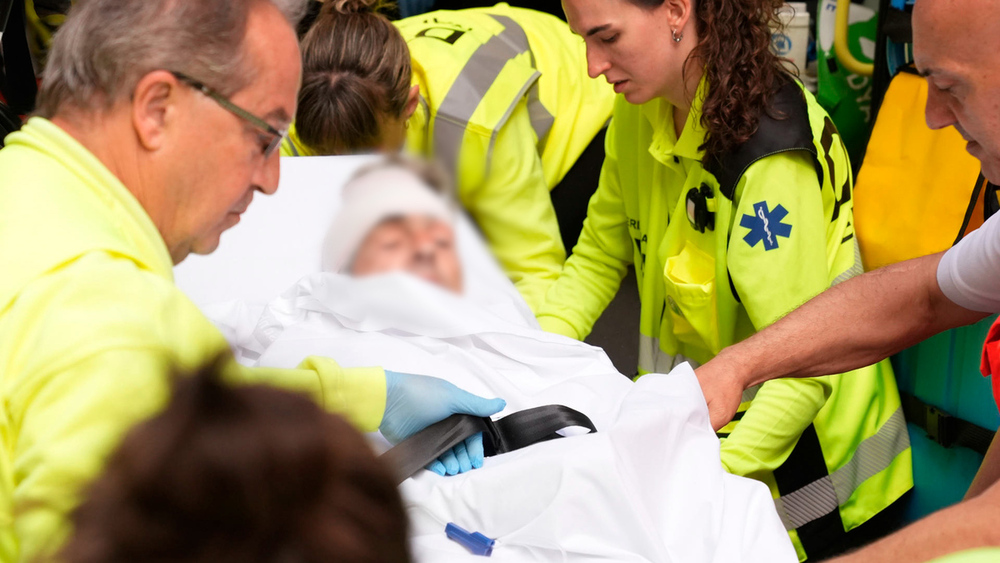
(420, 245)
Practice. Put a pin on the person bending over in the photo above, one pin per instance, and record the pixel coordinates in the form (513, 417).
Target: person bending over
(500, 95)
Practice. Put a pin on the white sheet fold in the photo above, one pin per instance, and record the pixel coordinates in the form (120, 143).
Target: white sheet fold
(647, 487)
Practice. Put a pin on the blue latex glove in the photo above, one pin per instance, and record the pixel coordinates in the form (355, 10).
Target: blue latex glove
(414, 402)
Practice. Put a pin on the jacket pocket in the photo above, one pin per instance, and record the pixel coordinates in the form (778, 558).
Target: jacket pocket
(689, 280)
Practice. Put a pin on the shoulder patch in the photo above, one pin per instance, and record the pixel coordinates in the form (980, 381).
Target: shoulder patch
(765, 226)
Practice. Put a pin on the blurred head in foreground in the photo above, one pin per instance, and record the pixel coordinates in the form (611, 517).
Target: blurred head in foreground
(396, 216)
(247, 474)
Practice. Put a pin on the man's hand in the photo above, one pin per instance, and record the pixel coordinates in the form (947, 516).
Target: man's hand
(723, 390)
(414, 402)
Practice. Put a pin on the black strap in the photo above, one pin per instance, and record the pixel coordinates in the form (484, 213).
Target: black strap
(510, 433)
(944, 428)
(980, 181)
(783, 127)
(991, 201)
(991, 204)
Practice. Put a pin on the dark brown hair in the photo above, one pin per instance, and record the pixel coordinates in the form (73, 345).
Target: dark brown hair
(355, 73)
(734, 45)
(246, 474)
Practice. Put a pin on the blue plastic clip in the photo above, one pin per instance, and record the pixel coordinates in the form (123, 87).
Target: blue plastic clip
(475, 542)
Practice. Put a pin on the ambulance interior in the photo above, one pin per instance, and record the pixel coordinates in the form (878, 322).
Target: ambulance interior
(860, 67)
(947, 403)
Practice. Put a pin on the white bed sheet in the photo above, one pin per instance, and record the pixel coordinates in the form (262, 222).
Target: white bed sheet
(648, 486)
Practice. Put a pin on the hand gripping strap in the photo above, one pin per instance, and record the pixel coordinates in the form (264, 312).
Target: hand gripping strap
(510, 433)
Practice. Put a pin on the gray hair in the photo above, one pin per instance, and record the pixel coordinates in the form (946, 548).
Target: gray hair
(106, 46)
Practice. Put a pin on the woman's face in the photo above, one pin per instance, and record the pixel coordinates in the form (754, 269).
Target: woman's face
(632, 46)
(421, 245)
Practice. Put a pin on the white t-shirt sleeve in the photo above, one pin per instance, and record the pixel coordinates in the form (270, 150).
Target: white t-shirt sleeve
(969, 272)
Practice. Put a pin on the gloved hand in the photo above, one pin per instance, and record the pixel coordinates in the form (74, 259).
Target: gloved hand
(414, 402)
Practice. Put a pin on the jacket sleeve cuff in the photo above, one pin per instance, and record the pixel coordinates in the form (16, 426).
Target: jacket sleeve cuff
(558, 326)
(356, 393)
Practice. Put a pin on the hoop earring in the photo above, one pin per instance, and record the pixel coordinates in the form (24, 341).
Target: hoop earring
(677, 36)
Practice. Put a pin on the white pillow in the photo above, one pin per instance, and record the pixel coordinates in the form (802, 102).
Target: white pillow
(280, 238)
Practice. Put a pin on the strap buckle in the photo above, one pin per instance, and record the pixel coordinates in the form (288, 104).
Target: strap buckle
(940, 426)
(701, 208)
(512, 432)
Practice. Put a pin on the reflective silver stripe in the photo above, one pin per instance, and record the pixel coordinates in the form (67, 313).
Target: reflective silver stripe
(291, 146)
(654, 360)
(815, 500)
(510, 109)
(873, 455)
(427, 112)
(823, 496)
(471, 85)
(750, 393)
(541, 119)
(856, 270)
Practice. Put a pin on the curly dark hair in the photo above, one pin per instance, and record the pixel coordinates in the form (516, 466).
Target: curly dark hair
(734, 45)
(244, 474)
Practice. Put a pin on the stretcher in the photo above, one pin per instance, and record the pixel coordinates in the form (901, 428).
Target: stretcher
(647, 486)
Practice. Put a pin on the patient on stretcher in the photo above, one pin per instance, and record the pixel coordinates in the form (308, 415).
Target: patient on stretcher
(648, 486)
(396, 216)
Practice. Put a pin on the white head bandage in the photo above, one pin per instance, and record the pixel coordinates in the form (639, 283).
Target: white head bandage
(373, 197)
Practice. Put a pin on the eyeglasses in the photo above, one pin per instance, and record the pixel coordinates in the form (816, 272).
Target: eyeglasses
(277, 135)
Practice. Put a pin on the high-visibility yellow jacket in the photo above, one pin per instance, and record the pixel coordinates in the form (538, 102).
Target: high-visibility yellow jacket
(91, 324)
(980, 555)
(506, 103)
(782, 234)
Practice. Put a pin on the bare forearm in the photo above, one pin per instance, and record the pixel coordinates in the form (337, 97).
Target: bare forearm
(989, 470)
(852, 325)
(967, 525)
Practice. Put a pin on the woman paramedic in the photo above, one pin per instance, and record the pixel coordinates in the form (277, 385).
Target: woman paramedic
(729, 189)
(499, 95)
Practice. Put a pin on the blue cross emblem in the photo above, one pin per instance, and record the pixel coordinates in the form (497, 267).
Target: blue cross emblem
(765, 226)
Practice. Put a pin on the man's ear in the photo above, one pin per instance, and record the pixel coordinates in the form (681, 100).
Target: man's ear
(154, 107)
(412, 99)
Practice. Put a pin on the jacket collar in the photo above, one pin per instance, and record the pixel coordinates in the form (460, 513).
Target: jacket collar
(665, 144)
(68, 204)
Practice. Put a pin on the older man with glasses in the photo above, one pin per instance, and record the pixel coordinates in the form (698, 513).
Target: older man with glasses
(157, 123)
